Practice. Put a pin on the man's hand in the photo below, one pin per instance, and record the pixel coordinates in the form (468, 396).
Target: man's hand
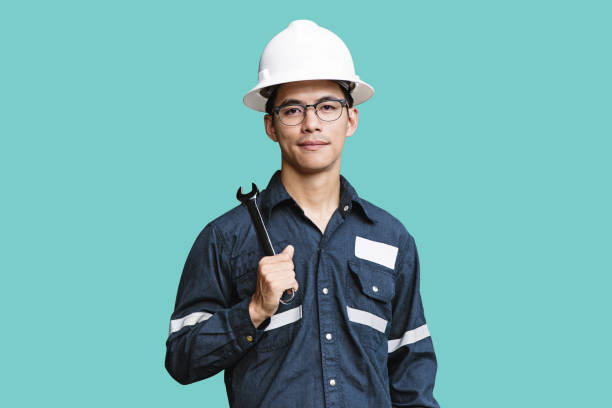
(275, 274)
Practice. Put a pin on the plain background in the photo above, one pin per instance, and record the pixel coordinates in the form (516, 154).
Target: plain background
(123, 133)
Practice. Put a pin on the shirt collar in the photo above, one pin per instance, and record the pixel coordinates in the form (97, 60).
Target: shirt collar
(275, 193)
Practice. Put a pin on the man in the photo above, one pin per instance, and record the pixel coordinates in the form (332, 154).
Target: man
(355, 333)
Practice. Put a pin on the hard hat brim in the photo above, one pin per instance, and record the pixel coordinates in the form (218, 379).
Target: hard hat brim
(254, 100)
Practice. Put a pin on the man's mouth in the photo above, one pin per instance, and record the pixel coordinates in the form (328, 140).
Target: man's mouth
(313, 144)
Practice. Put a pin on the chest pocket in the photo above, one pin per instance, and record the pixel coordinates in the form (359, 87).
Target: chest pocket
(288, 318)
(370, 290)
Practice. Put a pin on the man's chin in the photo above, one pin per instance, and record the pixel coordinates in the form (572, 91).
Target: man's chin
(312, 168)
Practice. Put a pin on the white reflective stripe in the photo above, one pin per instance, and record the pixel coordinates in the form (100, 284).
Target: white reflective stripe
(189, 320)
(411, 336)
(375, 251)
(367, 318)
(281, 319)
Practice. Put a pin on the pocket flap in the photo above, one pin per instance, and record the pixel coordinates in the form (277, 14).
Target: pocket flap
(374, 282)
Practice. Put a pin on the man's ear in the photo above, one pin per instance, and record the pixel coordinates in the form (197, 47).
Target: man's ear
(270, 131)
(351, 123)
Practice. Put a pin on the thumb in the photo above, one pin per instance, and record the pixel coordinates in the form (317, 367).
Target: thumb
(289, 250)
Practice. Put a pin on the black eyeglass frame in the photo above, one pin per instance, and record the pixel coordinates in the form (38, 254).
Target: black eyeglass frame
(277, 109)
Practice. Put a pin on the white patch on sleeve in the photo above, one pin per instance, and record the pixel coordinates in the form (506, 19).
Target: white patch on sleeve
(189, 320)
(410, 337)
(379, 252)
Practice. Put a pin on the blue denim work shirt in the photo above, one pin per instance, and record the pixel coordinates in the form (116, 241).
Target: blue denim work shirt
(355, 334)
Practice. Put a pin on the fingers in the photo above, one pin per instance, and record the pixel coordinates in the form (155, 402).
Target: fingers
(277, 267)
(288, 251)
(285, 255)
(276, 274)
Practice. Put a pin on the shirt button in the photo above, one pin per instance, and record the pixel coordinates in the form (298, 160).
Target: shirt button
(325, 291)
(332, 382)
(375, 288)
(346, 208)
(328, 336)
(249, 338)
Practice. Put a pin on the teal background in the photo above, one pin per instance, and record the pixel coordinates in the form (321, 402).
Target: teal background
(123, 133)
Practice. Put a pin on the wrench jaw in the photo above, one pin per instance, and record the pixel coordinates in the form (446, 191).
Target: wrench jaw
(243, 198)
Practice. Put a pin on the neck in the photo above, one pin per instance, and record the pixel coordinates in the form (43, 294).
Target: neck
(316, 193)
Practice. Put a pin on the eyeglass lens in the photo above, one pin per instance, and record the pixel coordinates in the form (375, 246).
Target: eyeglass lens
(325, 110)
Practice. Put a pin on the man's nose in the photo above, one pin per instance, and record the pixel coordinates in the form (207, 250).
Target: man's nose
(311, 121)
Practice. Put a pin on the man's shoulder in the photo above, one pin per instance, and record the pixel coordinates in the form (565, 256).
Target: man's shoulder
(234, 220)
(233, 226)
(385, 220)
(389, 230)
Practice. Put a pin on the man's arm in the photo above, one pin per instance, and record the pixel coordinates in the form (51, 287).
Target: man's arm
(411, 362)
(207, 332)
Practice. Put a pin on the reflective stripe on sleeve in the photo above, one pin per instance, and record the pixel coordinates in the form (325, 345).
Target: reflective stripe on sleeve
(189, 320)
(411, 336)
(367, 318)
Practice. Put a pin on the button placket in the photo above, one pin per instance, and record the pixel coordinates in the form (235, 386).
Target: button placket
(329, 351)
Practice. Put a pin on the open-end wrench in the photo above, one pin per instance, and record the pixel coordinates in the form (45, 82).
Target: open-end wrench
(250, 200)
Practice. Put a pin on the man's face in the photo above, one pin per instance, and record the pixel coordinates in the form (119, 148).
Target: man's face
(308, 159)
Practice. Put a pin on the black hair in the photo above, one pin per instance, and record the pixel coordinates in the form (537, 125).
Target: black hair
(271, 91)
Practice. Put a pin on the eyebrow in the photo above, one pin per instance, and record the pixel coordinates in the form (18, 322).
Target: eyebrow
(299, 102)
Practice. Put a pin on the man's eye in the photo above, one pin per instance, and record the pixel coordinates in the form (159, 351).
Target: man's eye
(327, 107)
(291, 111)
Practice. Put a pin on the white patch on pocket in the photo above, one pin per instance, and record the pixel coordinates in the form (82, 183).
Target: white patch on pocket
(379, 252)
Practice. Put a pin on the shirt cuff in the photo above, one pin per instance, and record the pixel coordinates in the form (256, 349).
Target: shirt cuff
(247, 334)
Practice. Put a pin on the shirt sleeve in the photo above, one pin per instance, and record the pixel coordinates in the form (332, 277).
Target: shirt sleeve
(208, 332)
(411, 361)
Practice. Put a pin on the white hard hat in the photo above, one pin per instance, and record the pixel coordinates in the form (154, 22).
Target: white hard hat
(305, 51)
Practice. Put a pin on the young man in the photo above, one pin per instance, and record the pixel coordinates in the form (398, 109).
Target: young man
(355, 333)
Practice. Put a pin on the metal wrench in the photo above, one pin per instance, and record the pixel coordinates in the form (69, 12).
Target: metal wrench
(250, 200)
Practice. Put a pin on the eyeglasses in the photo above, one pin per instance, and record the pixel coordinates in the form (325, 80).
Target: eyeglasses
(294, 114)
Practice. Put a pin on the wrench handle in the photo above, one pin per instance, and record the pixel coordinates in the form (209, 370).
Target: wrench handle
(264, 238)
(262, 233)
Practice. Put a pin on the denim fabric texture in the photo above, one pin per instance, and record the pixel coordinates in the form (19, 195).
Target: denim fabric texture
(354, 336)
